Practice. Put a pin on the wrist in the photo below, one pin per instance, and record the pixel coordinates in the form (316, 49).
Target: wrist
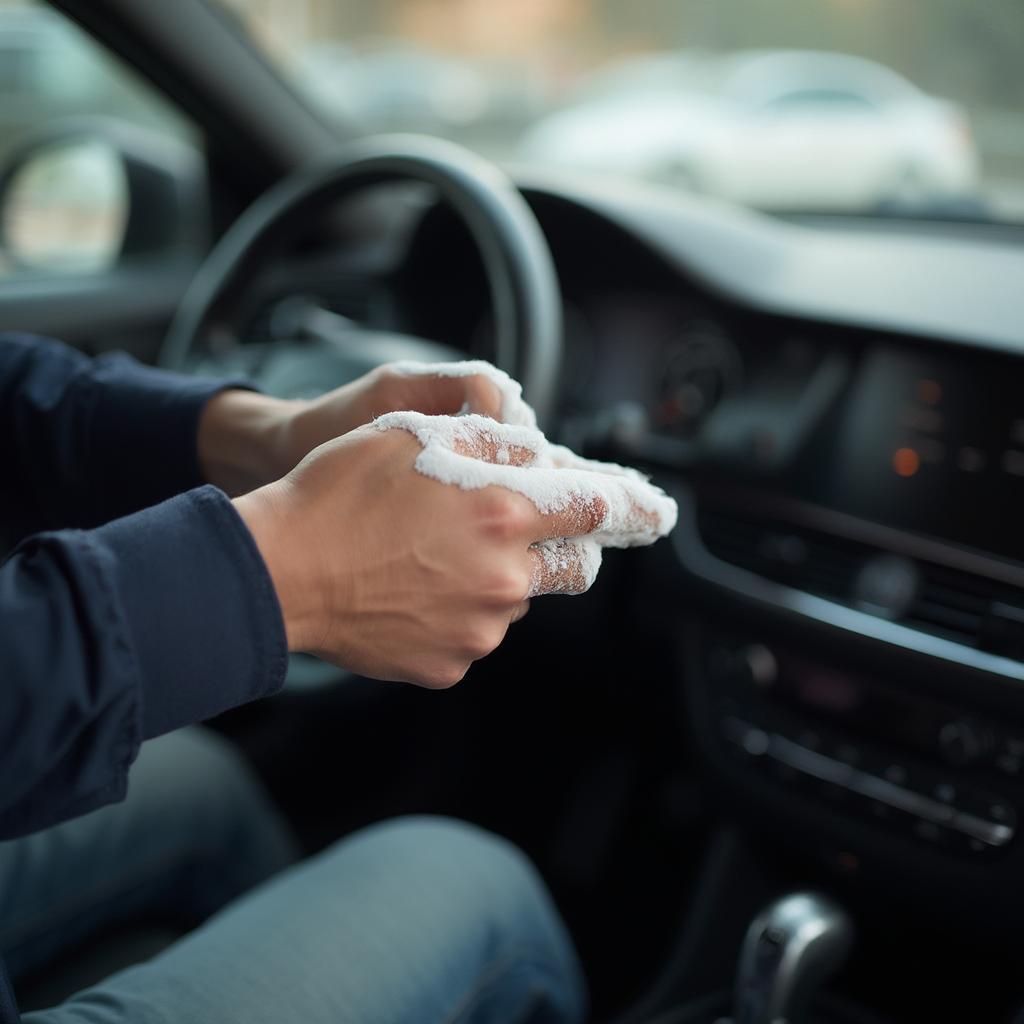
(242, 440)
(265, 512)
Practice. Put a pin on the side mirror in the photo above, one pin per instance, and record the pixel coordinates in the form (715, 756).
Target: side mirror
(85, 196)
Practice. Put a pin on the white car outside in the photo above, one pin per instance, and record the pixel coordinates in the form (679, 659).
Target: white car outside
(798, 130)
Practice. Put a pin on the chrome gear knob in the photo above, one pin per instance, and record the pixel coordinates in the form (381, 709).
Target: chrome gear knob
(790, 949)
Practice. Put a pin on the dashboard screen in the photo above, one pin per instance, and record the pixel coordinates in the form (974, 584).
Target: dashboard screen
(932, 444)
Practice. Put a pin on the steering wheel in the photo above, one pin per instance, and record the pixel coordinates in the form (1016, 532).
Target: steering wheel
(518, 265)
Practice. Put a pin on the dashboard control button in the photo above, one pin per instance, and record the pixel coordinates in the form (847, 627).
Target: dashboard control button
(1000, 811)
(887, 585)
(963, 742)
(1013, 746)
(749, 738)
(755, 742)
(1008, 756)
(761, 667)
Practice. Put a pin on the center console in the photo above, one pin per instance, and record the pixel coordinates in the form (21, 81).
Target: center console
(843, 712)
(914, 766)
(853, 655)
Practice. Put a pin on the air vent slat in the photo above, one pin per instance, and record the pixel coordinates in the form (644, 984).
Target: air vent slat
(947, 595)
(961, 606)
(943, 615)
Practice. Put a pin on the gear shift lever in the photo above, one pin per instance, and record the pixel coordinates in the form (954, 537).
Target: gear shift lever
(791, 947)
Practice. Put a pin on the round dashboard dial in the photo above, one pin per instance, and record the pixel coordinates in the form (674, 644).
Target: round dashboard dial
(701, 367)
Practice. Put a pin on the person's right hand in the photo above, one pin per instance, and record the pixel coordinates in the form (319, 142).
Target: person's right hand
(396, 576)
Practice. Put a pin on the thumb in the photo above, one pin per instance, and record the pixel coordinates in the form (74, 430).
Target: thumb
(470, 386)
(436, 395)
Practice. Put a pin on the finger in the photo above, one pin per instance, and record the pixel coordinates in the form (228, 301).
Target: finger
(572, 514)
(616, 510)
(449, 396)
(563, 566)
(565, 458)
(619, 509)
(494, 447)
(481, 396)
(468, 437)
(470, 386)
(520, 611)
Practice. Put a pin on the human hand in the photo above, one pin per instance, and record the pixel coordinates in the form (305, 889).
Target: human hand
(247, 439)
(389, 573)
(397, 575)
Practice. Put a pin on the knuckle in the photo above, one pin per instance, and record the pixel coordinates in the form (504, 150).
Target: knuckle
(481, 640)
(506, 515)
(383, 376)
(509, 587)
(444, 675)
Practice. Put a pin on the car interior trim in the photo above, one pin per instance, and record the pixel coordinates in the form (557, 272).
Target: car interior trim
(849, 527)
(699, 562)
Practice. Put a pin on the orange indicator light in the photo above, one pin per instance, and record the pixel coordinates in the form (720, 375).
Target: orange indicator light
(906, 461)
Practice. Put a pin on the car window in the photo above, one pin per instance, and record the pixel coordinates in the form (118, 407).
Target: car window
(66, 215)
(669, 92)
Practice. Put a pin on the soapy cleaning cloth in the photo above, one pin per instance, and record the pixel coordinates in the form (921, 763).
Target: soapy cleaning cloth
(614, 505)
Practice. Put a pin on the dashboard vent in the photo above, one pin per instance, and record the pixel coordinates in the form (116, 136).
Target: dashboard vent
(957, 605)
(804, 559)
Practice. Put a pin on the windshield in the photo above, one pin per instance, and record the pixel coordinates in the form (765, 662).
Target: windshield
(840, 106)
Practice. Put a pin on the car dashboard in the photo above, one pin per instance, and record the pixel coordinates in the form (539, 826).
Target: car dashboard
(838, 410)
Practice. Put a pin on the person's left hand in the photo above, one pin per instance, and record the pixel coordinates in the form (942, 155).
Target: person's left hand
(247, 440)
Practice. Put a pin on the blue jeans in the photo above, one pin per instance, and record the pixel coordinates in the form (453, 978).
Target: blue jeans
(419, 919)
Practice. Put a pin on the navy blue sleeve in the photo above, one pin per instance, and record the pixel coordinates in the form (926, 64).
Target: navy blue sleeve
(85, 440)
(114, 635)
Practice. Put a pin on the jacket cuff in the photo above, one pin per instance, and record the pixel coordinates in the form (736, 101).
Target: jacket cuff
(199, 607)
(148, 419)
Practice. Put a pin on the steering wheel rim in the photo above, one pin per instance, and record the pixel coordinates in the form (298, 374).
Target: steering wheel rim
(518, 264)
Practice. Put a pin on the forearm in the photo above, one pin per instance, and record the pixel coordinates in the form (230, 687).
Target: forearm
(87, 440)
(111, 636)
(243, 440)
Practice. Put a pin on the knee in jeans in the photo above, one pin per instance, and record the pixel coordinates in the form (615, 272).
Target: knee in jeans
(468, 850)
(492, 895)
(476, 868)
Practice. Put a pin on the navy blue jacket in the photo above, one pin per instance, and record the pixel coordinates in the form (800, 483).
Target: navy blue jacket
(138, 602)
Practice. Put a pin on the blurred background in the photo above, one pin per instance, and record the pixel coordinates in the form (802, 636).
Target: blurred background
(874, 107)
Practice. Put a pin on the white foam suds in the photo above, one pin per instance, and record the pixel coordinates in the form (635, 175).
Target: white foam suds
(620, 507)
(597, 504)
(564, 566)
